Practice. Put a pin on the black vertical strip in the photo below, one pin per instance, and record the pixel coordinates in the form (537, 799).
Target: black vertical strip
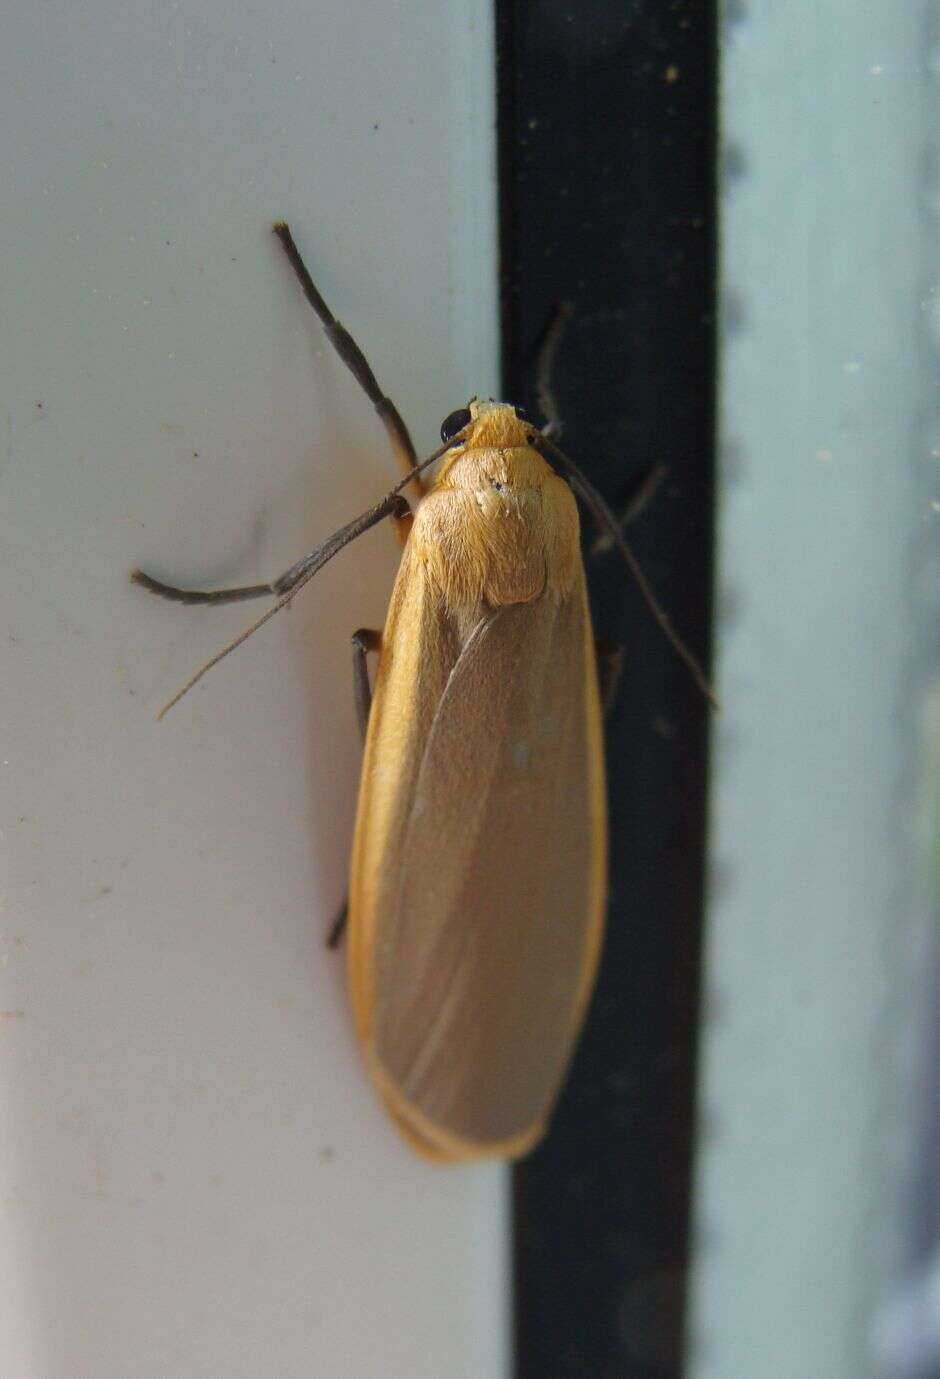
(607, 133)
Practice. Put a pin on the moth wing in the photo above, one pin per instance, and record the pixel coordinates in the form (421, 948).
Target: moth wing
(483, 958)
(420, 647)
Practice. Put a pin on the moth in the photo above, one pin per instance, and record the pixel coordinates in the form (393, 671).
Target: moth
(477, 882)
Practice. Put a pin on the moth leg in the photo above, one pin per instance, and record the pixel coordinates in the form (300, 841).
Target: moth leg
(636, 505)
(399, 512)
(354, 359)
(338, 927)
(364, 640)
(403, 520)
(548, 405)
(595, 503)
(609, 669)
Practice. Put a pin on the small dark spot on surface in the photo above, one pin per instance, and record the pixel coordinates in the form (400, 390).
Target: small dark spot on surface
(103, 891)
(375, 126)
(195, 454)
(39, 406)
(327, 1154)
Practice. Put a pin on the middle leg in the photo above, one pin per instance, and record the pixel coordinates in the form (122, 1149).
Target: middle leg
(364, 640)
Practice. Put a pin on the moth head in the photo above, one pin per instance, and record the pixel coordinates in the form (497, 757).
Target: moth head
(497, 425)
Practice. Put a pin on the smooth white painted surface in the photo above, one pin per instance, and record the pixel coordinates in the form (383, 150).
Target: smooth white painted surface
(194, 1176)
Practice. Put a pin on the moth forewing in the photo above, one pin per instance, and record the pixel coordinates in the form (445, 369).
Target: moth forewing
(477, 878)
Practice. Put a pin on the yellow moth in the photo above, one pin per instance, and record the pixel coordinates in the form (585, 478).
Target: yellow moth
(477, 883)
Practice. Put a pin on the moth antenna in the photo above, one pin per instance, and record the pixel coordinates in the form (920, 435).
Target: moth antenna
(243, 637)
(602, 514)
(300, 574)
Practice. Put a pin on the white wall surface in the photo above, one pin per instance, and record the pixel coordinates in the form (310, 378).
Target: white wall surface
(195, 1179)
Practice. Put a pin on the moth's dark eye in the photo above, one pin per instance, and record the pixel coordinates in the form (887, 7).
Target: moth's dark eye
(522, 414)
(454, 423)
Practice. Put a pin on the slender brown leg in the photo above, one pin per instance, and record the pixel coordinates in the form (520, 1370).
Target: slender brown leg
(609, 669)
(338, 927)
(353, 357)
(364, 640)
(392, 505)
(598, 507)
(609, 654)
(645, 491)
(548, 405)
(403, 522)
